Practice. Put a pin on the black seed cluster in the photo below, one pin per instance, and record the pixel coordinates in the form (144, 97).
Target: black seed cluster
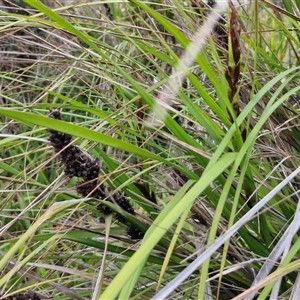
(24, 296)
(124, 203)
(79, 164)
(134, 233)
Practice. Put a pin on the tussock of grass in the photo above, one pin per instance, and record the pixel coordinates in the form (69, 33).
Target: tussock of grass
(213, 183)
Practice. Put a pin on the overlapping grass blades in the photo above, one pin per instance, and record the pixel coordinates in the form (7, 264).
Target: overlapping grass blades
(229, 143)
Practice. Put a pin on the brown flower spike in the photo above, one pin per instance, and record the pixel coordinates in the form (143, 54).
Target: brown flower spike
(233, 63)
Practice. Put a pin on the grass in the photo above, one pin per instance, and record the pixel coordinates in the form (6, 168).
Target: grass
(209, 177)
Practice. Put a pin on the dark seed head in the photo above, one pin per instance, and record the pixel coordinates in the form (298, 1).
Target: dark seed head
(55, 114)
(135, 233)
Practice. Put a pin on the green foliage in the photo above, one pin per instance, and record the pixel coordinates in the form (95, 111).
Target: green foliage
(214, 184)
